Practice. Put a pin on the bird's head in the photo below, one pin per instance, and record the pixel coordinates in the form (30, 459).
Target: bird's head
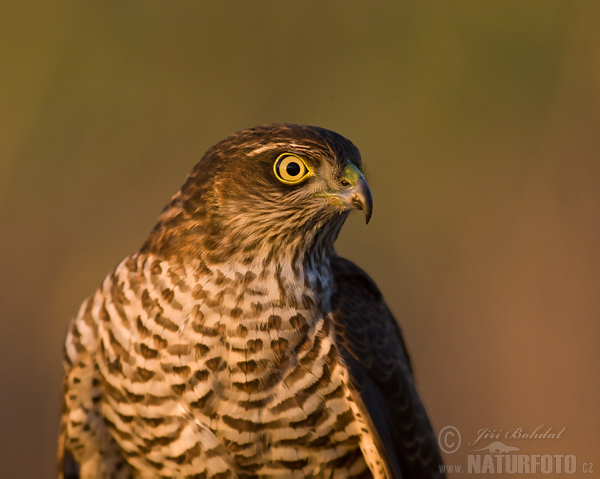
(279, 188)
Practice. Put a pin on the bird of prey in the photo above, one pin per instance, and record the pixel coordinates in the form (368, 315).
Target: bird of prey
(236, 343)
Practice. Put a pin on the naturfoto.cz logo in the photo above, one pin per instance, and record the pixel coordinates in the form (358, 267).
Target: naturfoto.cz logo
(489, 453)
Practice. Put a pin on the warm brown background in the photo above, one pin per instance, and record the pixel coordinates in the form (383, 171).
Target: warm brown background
(479, 124)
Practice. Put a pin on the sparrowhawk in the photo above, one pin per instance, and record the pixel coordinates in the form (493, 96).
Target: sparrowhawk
(236, 343)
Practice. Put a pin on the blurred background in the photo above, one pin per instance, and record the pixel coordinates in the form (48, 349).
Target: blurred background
(479, 125)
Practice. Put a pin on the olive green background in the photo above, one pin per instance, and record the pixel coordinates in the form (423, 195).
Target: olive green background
(479, 127)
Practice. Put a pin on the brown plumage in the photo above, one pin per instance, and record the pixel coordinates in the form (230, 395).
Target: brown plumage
(236, 343)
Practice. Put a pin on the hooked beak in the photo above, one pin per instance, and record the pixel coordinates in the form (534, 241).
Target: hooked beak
(355, 191)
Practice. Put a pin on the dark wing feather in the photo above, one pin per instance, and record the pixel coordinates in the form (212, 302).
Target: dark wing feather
(373, 350)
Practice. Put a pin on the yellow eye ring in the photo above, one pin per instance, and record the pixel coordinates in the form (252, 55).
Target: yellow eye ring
(291, 169)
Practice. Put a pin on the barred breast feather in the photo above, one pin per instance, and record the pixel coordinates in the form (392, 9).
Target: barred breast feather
(209, 371)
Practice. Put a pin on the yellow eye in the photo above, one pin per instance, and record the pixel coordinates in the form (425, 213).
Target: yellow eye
(290, 169)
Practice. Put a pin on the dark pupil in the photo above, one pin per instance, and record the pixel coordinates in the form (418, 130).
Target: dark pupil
(293, 169)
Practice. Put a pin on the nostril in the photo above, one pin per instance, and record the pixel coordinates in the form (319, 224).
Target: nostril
(345, 183)
(357, 203)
